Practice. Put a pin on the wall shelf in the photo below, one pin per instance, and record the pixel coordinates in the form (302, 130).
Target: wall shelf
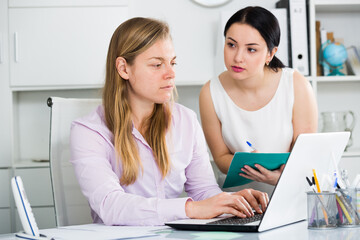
(337, 79)
(54, 88)
(30, 164)
(352, 152)
(337, 6)
(178, 83)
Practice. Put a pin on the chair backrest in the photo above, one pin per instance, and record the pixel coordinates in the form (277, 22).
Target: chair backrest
(71, 207)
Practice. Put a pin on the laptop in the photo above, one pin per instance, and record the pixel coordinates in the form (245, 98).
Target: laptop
(288, 202)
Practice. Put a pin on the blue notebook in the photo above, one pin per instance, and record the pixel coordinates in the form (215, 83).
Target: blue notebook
(269, 161)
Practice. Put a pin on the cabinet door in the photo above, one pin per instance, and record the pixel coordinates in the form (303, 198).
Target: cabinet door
(4, 188)
(5, 226)
(5, 93)
(37, 184)
(61, 46)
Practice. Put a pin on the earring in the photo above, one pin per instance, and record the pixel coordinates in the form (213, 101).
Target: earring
(267, 63)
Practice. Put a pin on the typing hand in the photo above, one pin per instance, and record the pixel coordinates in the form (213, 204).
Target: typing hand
(263, 175)
(255, 198)
(224, 202)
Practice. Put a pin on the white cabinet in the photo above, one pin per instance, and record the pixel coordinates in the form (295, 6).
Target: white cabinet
(32, 123)
(5, 188)
(5, 92)
(5, 223)
(5, 125)
(47, 48)
(53, 47)
(37, 184)
(5, 217)
(337, 93)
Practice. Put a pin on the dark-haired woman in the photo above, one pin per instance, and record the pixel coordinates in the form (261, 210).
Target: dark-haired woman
(257, 99)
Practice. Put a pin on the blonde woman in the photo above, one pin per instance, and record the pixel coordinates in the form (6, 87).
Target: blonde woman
(134, 155)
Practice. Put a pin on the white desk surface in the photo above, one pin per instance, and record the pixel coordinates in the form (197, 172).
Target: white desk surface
(297, 231)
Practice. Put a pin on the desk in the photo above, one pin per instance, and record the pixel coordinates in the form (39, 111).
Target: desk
(297, 231)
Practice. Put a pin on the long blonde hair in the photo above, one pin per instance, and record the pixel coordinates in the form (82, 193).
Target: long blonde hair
(130, 39)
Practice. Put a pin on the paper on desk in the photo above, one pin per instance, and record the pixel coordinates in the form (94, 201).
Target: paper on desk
(100, 231)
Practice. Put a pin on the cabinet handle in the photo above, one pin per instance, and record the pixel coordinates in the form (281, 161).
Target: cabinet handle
(16, 53)
(1, 50)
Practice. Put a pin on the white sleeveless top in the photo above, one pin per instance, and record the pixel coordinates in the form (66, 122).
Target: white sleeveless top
(269, 129)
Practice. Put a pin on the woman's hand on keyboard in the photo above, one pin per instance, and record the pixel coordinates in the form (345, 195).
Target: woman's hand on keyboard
(255, 198)
(235, 204)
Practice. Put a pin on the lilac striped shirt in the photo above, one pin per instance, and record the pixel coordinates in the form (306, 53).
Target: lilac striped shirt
(151, 200)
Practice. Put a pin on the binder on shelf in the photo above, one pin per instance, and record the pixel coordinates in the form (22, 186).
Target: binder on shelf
(323, 39)
(298, 34)
(353, 61)
(319, 69)
(283, 50)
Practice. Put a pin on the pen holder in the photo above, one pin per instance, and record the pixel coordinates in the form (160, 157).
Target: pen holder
(321, 210)
(348, 204)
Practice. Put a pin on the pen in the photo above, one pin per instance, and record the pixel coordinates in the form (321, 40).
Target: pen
(344, 177)
(347, 204)
(250, 145)
(313, 211)
(339, 211)
(334, 183)
(314, 190)
(308, 180)
(339, 180)
(316, 182)
(319, 191)
(344, 209)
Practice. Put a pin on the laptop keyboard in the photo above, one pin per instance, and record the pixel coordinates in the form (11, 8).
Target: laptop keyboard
(237, 221)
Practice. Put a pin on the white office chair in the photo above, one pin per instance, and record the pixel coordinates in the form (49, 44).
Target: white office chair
(71, 207)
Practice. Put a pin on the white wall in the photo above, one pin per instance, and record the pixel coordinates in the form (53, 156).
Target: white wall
(194, 31)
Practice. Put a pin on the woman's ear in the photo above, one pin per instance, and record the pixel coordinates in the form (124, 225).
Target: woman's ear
(272, 53)
(121, 67)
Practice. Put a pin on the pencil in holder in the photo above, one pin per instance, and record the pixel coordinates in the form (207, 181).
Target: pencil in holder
(321, 210)
(347, 201)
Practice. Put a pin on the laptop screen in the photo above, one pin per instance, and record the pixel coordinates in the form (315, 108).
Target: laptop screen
(288, 202)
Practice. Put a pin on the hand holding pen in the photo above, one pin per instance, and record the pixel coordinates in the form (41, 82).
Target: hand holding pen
(252, 147)
(259, 173)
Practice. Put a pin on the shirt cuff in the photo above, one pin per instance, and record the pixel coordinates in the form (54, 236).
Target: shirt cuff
(172, 209)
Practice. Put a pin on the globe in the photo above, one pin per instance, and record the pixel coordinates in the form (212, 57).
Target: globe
(334, 55)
